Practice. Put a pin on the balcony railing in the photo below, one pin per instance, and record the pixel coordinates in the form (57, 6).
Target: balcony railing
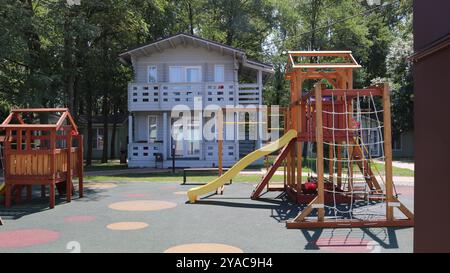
(164, 96)
(249, 93)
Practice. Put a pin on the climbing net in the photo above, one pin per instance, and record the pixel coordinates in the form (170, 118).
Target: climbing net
(354, 137)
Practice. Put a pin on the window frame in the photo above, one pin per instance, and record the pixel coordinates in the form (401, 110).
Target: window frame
(184, 73)
(148, 73)
(193, 67)
(216, 74)
(97, 146)
(148, 129)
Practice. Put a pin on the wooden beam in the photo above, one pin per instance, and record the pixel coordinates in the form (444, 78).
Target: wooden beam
(388, 152)
(8, 119)
(306, 211)
(319, 141)
(352, 92)
(39, 110)
(350, 224)
(326, 65)
(61, 120)
(171, 43)
(160, 50)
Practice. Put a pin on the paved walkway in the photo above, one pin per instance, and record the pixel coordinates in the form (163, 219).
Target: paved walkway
(404, 165)
(401, 164)
(154, 217)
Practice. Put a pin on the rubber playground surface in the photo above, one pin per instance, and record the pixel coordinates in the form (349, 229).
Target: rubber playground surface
(155, 217)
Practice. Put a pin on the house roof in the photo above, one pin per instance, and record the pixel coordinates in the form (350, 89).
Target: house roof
(63, 117)
(158, 46)
(295, 58)
(431, 48)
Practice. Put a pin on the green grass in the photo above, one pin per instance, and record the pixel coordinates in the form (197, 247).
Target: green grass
(177, 177)
(404, 159)
(111, 165)
(379, 167)
(203, 178)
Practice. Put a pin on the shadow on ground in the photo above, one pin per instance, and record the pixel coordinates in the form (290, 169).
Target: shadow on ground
(38, 204)
(282, 210)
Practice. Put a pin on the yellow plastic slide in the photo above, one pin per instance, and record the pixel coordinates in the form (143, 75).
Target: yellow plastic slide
(240, 165)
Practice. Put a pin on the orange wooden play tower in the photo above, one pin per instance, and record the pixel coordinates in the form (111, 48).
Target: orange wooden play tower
(330, 117)
(41, 154)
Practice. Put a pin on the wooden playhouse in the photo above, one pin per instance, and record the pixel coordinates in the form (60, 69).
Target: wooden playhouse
(41, 154)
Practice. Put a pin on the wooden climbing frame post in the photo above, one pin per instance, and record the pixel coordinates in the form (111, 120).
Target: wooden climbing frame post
(388, 153)
(319, 140)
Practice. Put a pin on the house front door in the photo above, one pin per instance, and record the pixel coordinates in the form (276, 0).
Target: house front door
(186, 139)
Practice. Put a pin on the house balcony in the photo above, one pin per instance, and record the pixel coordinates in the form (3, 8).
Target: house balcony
(164, 96)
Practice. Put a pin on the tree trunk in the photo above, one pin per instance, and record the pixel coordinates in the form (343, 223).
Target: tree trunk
(105, 128)
(113, 136)
(191, 18)
(89, 103)
(68, 63)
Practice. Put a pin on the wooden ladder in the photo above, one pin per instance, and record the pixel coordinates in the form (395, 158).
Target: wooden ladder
(365, 169)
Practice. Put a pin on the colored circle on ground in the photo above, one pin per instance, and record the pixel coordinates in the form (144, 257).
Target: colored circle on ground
(142, 205)
(203, 248)
(345, 244)
(26, 237)
(127, 225)
(180, 192)
(79, 218)
(100, 186)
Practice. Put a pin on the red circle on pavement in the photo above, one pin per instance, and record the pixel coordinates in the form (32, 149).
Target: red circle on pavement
(26, 237)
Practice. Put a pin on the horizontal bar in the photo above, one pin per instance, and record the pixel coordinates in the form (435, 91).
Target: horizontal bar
(350, 223)
(352, 92)
(37, 110)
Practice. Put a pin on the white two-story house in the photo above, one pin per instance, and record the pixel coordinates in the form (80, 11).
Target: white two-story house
(181, 70)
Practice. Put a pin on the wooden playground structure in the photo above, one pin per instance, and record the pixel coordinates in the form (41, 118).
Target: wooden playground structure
(41, 154)
(330, 116)
(343, 124)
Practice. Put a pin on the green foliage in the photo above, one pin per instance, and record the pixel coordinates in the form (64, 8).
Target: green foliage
(53, 54)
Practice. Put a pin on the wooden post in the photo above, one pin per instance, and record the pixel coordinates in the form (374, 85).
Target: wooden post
(69, 166)
(288, 157)
(52, 167)
(331, 162)
(8, 192)
(28, 149)
(80, 166)
(349, 145)
(319, 141)
(298, 124)
(19, 140)
(220, 139)
(388, 152)
(220, 145)
(339, 166)
(294, 122)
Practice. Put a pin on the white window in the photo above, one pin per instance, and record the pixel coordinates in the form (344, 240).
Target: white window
(152, 74)
(219, 73)
(176, 74)
(97, 142)
(152, 128)
(185, 74)
(193, 74)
